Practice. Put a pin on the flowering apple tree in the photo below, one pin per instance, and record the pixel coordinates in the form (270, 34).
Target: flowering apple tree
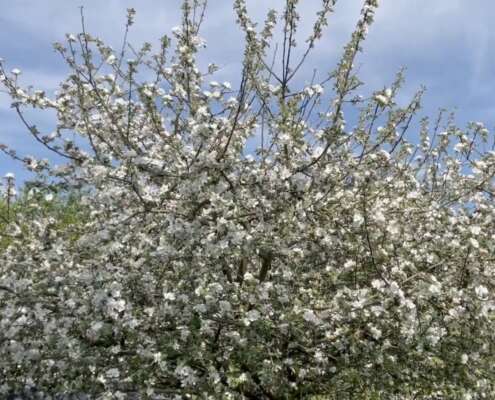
(335, 260)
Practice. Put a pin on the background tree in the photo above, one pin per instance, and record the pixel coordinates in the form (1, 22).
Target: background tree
(331, 262)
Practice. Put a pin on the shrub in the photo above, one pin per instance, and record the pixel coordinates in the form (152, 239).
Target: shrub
(334, 261)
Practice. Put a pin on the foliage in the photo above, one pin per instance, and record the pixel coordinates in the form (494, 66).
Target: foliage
(64, 210)
(332, 262)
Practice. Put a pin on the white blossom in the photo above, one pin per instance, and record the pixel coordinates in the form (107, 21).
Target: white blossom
(196, 241)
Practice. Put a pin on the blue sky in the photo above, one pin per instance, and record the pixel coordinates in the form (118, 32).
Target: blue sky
(447, 45)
